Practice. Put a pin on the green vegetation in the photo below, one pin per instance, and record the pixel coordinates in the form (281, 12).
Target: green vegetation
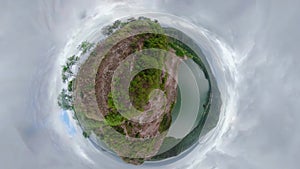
(158, 41)
(110, 29)
(67, 68)
(147, 80)
(165, 124)
(114, 119)
(85, 46)
(140, 88)
(142, 85)
(198, 61)
(70, 85)
(85, 134)
(65, 100)
(181, 49)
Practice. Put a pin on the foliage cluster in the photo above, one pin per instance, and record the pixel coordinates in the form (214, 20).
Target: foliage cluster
(113, 118)
(142, 85)
(65, 100)
(85, 46)
(118, 24)
(181, 49)
(158, 41)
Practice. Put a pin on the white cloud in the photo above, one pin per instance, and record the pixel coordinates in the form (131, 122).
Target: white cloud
(264, 36)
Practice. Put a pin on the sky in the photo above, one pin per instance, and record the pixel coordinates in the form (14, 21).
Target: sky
(256, 64)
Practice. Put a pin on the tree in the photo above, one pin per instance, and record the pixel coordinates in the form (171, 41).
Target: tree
(67, 68)
(65, 100)
(85, 46)
(70, 85)
(85, 134)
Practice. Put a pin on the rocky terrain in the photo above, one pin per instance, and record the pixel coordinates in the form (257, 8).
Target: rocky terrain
(118, 100)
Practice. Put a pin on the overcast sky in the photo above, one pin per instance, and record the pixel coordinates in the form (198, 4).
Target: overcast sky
(261, 131)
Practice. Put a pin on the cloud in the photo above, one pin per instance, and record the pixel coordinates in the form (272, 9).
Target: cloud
(263, 133)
